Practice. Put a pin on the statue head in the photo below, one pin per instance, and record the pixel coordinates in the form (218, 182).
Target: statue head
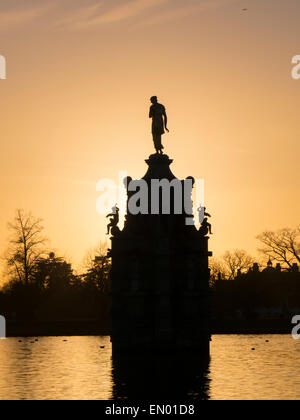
(115, 209)
(153, 99)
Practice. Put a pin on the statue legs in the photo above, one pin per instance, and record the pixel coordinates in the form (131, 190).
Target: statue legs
(157, 143)
(209, 228)
(110, 226)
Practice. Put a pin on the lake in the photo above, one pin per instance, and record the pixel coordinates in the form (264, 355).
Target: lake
(83, 368)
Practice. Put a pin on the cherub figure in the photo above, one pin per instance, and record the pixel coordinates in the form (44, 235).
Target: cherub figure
(114, 219)
(202, 213)
(205, 227)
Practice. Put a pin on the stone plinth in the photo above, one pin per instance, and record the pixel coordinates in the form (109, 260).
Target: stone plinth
(160, 279)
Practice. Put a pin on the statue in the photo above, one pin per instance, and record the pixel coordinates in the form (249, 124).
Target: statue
(205, 227)
(203, 218)
(159, 123)
(114, 220)
(202, 213)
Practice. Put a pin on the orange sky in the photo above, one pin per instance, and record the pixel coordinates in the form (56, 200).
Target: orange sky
(74, 109)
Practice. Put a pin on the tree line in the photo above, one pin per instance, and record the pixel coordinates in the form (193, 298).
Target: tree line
(281, 247)
(42, 285)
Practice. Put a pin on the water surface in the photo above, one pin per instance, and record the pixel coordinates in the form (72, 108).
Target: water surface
(83, 368)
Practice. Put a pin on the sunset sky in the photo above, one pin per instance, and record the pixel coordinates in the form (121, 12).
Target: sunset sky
(74, 109)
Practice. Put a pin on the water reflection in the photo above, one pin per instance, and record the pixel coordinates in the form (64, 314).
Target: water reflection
(55, 368)
(163, 377)
(83, 368)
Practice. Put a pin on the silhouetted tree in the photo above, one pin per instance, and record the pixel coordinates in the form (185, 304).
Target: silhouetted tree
(95, 283)
(282, 245)
(21, 299)
(26, 246)
(217, 270)
(98, 268)
(235, 261)
(52, 273)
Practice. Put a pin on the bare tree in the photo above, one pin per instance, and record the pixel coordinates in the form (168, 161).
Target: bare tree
(235, 261)
(97, 265)
(282, 245)
(217, 270)
(26, 245)
(99, 250)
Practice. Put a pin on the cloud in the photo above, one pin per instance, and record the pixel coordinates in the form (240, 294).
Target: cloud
(74, 15)
(15, 17)
(128, 9)
(86, 17)
(80, 16)
(180, 12)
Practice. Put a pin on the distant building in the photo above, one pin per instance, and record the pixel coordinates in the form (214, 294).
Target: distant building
(272, 292)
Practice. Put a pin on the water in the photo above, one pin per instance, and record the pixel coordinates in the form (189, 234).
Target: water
(79, 368)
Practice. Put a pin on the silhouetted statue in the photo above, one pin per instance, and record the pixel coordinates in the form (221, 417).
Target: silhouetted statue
(159, 123)
(202, 214)
(114, 220)
(205, 227)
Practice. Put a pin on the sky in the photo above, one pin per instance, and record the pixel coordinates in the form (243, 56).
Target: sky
(74, 110)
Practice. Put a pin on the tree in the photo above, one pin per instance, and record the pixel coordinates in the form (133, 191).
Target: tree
(217, 269)
(52, 273)
(235, 261)
(26, 246)
(98, 267)
(282, 245)
(95, 283)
